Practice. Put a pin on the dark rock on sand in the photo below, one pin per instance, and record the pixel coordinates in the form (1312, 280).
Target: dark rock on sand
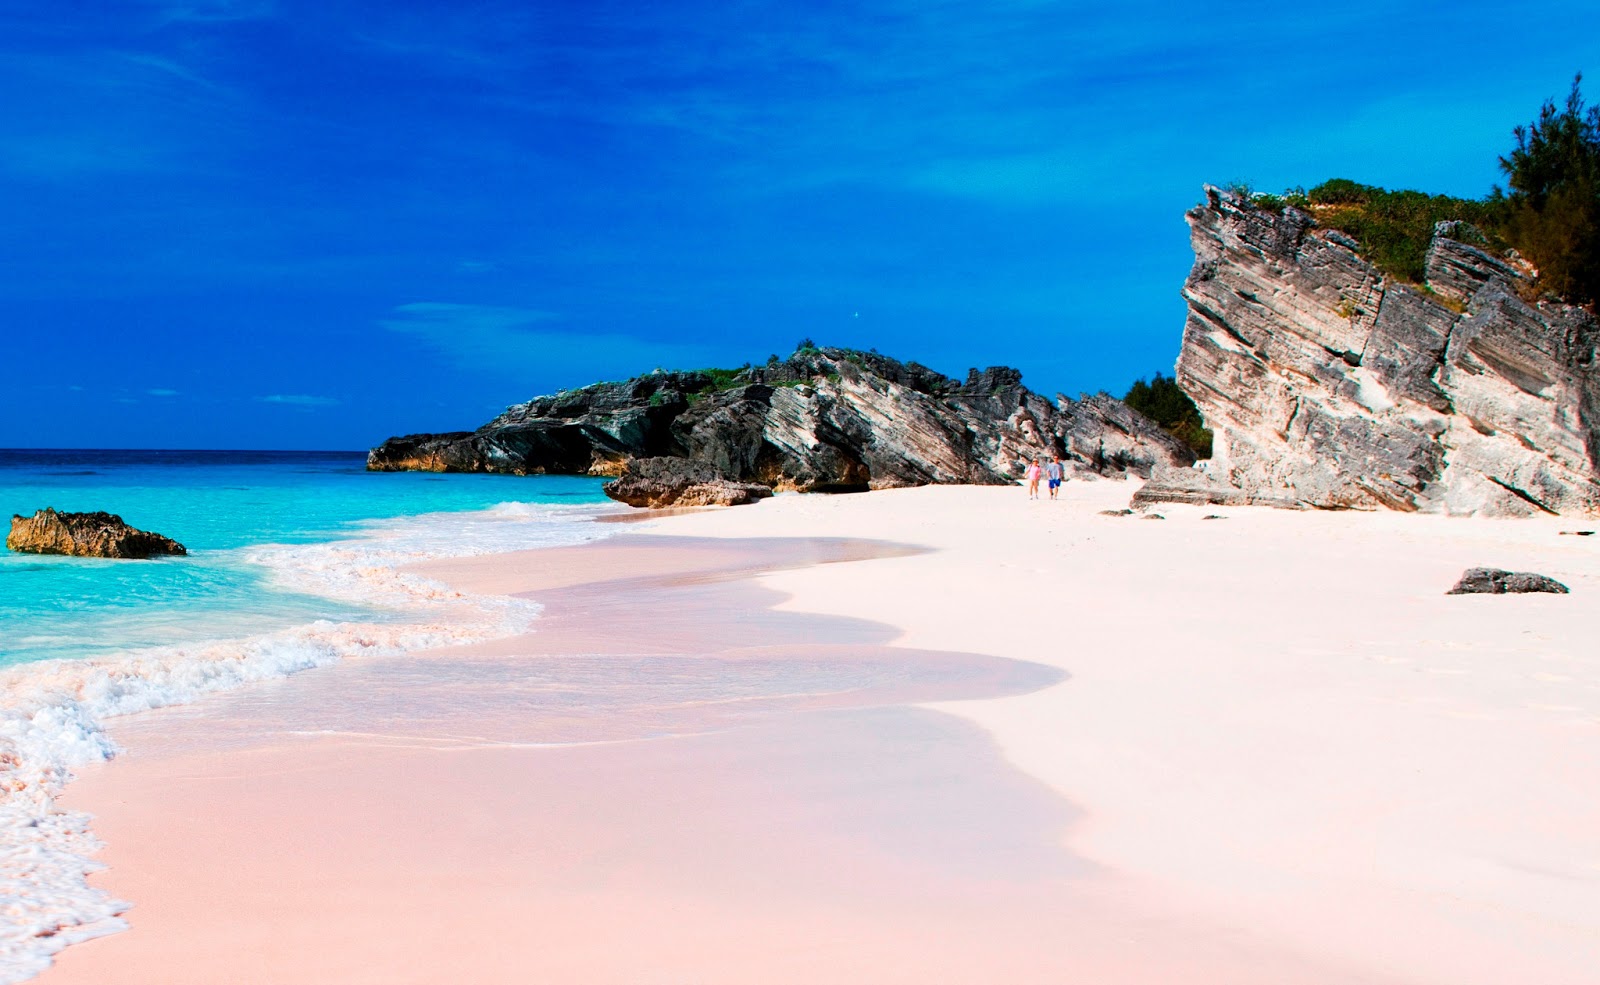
(86, 535)
(659, 482)
(1494, 581)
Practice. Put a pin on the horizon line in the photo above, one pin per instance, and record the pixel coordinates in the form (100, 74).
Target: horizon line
(256, 451)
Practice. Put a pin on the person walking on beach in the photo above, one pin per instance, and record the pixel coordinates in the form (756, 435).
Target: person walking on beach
(1033, 479)
(1053, 473)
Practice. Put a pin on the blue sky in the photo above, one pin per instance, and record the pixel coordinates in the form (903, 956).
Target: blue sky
(273, 224)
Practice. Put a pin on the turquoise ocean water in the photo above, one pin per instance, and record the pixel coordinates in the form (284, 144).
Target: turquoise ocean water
(226, 507)
(296, 560)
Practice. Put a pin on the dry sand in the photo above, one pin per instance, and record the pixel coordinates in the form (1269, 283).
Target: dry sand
(1049, 746)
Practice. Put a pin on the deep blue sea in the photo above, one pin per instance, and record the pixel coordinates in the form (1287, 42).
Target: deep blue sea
(238, 513)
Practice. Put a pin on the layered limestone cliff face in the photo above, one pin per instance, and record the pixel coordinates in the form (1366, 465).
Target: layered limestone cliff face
(1327, 385)
(823, 420)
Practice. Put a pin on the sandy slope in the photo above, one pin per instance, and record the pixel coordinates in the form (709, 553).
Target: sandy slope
(1278, 753)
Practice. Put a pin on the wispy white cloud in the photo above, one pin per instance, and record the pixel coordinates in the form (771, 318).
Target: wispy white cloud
(469, 324)
(1018, 178)
(520, 341)
(75, 154)
(215, 11)
(172, 70)
(298, 400)
(462, 58)
(106, 112)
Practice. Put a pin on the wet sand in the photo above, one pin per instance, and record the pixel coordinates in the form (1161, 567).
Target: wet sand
(984, 740)
(671, 781)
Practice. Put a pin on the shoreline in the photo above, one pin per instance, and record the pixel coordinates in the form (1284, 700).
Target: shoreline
(1257, 882)
(828, 683)
(55, 716)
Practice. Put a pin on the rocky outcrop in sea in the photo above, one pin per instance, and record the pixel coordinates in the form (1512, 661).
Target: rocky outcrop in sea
(86, 535)
(1329, 385)
(823, 420)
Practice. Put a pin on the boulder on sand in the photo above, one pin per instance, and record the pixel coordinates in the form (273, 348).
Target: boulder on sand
(669, 481)
(1494, 581)
(86, 535)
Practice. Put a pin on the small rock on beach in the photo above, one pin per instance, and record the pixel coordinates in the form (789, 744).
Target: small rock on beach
(1494, 581)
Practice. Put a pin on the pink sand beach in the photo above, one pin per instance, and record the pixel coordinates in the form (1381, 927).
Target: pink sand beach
(930, 735)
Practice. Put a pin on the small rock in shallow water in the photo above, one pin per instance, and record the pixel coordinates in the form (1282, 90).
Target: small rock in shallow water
(1116, 513)
(1494, 581)
(1213, 516)
(86, 535)
(1154, 516)
(1577, 533)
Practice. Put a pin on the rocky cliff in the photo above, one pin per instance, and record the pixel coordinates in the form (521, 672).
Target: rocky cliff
(823, 420)
(1328, 385)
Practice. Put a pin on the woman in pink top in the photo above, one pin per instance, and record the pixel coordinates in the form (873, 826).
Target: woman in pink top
(1033, 479)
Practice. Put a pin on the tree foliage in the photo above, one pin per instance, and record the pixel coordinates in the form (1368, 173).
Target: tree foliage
(1162, 401)
(1553, 209)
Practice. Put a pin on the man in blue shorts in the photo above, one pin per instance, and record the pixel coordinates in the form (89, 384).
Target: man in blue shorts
(1053, 473)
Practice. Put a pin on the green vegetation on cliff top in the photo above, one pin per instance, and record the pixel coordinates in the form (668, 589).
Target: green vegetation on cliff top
(1393, 227)
(1550, 214)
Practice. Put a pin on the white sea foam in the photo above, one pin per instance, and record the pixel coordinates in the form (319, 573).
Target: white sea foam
(51, 712)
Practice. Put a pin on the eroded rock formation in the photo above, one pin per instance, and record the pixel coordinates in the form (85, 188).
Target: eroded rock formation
(659, 482)
(1495, 581)
(86, 535)
(1328, 385)
(827, 420)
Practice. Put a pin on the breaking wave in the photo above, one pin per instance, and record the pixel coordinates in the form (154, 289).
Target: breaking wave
(52, 712)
